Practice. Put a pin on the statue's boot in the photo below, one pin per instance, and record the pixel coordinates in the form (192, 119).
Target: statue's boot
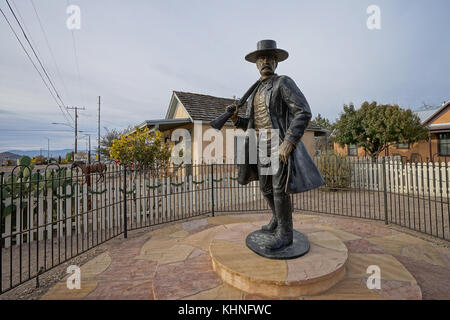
(273, 222)
(284, 231)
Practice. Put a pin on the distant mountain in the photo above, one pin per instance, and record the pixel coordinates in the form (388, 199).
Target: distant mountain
(32, 153)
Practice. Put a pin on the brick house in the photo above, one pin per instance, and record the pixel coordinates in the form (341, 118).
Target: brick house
(436, 147)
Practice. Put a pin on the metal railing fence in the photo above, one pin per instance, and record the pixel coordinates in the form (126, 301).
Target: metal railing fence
(51, 216)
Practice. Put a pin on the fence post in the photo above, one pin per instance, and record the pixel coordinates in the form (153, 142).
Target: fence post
(1, 230)
(125, 233)
(37, 224)
(212, 189)
(385, 192)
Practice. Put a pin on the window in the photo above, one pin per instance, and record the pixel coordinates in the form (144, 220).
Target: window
(352, 150)
(444, 144)
(403, 146)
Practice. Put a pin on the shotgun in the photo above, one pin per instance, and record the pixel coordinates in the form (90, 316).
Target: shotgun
(220, 121)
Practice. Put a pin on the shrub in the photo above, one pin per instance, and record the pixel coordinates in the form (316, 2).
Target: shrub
(142, 147)
(335, 170)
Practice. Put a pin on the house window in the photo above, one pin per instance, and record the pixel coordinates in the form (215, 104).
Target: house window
(352, 150)
(444, 144)
(403, 146)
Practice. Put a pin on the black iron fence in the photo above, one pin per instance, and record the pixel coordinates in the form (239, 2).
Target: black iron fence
(53, 215)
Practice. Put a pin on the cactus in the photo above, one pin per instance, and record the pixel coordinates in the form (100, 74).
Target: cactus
(24, 161)
(25, 181)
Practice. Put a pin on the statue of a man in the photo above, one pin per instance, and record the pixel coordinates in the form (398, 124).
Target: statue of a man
(277, 103)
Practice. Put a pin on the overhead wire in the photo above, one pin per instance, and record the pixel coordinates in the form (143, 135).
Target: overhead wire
(77, 66)
(52, 54)
(58, 97)
(33, 63)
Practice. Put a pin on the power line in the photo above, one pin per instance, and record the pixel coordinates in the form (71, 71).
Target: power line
(51, 53)
(76, 62)
(37, 57)
(32, 62)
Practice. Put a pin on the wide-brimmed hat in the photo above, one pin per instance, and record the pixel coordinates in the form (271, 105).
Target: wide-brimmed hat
(267, 46)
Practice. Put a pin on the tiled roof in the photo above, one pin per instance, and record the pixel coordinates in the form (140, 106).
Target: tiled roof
(206, 108)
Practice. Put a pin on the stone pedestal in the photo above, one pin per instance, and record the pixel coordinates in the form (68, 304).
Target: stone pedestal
(314, 272)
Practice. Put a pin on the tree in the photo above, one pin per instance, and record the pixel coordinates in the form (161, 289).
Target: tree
(376, 127)
(143, 147)
(106, 141)
(323, 123)
(39, 160)
(69, 157)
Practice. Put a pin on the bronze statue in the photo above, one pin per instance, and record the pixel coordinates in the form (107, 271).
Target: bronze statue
(275, 102)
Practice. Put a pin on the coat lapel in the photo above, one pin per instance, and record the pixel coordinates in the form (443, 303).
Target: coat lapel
(251, 122)
(268, 92)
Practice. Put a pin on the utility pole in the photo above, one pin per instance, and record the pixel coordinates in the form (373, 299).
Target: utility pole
(98, 142)
(89, 153)
(48, 150)
(76, 124)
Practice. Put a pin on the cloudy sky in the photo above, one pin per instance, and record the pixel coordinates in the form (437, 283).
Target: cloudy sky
(134, 53)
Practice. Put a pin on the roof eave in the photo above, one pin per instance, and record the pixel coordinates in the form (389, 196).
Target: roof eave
(174, 95)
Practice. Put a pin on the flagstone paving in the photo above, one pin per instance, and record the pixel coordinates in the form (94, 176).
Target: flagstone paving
(174, 262)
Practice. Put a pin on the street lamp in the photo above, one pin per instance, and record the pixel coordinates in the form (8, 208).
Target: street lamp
(65, 124)
(76, 134)
(89, 152)
(48, 150)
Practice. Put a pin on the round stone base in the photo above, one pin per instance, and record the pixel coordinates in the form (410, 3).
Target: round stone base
(258, 239)
(318, 270)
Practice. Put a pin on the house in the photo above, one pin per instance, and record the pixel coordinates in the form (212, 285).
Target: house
(436, 147)
(9, 158)
(185, 108)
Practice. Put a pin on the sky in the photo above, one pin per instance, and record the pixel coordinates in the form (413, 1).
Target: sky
(135, 53)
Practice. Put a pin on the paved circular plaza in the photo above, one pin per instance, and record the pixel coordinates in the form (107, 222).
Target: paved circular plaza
(174, 262)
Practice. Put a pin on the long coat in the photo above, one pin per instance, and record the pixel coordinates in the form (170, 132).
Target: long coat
(290, 114)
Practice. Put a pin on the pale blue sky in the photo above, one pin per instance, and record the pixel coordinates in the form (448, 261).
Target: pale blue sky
(134, 53)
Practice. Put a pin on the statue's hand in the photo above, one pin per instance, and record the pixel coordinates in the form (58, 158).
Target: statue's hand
(286, 148)
(233, 108)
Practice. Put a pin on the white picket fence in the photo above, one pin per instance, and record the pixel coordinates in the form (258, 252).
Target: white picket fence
(152, 201)
(418, 179)
(149, 200)
(50, 217)
(157, 201)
